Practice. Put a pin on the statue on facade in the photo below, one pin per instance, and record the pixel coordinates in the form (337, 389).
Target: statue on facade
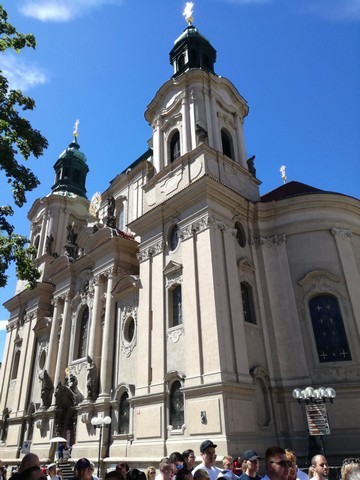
(110, 217)
(49, 244)
(201, 133)
(92, 383)
(47, 389)
(73, 385)
(71, 247)
(251, 166)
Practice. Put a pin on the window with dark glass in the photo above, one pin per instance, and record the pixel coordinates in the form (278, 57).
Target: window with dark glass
(240, 234)
(226, 144)
(248, 303)
(83, 333)
(15, 369)
(124, 413)
(176, 299)
(176, 406)
(329, 331)
(175, 146)
(174, 237)
(76, 175)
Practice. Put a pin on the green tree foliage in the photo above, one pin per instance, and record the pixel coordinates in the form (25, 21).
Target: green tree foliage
(17, 139)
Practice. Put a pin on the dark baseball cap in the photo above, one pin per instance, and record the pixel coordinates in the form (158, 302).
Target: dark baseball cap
(251, 455)
(82, 463)
(206, 444)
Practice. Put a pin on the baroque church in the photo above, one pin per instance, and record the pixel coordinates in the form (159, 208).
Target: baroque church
(180, 302)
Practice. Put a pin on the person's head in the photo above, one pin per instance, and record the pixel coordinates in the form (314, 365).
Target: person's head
(319, 467)
(51, 469)
(189, 458)
(84, 469)
(167, 469)
(28, 461)
(150, 473)
(277, 465)
(59, 472)
(349, 465)
(201, 474)
(184, 474)
(177, 458)
(208, 455)
(290, 455)
(32, 473)
(251, 463)
(227, 462)
(114, 475)
(122, 467)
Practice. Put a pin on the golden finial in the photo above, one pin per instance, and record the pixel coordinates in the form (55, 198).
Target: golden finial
(76, 131)
(188, 12)
(283, 173)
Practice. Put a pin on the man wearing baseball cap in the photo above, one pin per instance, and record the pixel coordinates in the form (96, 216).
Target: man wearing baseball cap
(251, 462)
(208, 455)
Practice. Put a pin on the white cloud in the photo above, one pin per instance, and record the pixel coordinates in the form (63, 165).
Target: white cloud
(20, 73)
(336, 10)
(61, 10)
(3, 324)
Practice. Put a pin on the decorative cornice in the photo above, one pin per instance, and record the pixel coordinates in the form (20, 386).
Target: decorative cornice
(196, 227)
(175, 334)
(275, 240)
(341, 232)
(151, 251)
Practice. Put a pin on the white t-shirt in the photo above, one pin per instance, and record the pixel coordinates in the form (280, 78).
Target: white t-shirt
(212, 471)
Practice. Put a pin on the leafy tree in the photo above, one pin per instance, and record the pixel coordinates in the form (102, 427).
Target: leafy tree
(17, 138)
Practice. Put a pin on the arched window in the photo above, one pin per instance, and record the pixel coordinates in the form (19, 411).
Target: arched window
(15, 369)
(121, 218)
(83, 333)
(176, 406)
(240, 234)
(329, 331)
(124, 413)
(226, 141)
(175, 146)
(248, 303)
(176, 306)
(36, 245)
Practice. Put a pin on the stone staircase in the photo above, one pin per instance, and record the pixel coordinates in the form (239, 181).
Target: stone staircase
(67, 470)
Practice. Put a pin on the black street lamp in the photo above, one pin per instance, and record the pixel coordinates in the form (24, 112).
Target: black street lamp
(100, 422)
(316, 412)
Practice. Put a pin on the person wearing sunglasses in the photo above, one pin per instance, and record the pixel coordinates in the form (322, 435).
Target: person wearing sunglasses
(276, 464)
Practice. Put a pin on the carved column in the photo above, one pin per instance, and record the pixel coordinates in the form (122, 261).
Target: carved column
(215, 125)
(63, 352)
(185, 126)
(108, 340)
(95, 325)
(53, 342)
(241, 141)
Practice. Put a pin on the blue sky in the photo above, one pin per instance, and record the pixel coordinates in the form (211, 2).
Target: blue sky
(296, 62)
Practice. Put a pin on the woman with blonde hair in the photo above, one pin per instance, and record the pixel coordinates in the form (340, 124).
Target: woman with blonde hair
(150, 473)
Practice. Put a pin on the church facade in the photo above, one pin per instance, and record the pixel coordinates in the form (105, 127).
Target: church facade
(180, 302)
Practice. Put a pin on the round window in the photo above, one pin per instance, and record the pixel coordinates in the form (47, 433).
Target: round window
(129, 329)
(174, 237)
(240, 234)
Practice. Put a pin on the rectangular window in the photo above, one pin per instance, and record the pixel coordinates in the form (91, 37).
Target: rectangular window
(176, 300)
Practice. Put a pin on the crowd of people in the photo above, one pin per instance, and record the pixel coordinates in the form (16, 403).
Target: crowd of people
(279, 464)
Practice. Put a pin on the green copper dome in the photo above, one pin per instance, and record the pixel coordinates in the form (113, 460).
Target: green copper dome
(192, 50)
(70, 171)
